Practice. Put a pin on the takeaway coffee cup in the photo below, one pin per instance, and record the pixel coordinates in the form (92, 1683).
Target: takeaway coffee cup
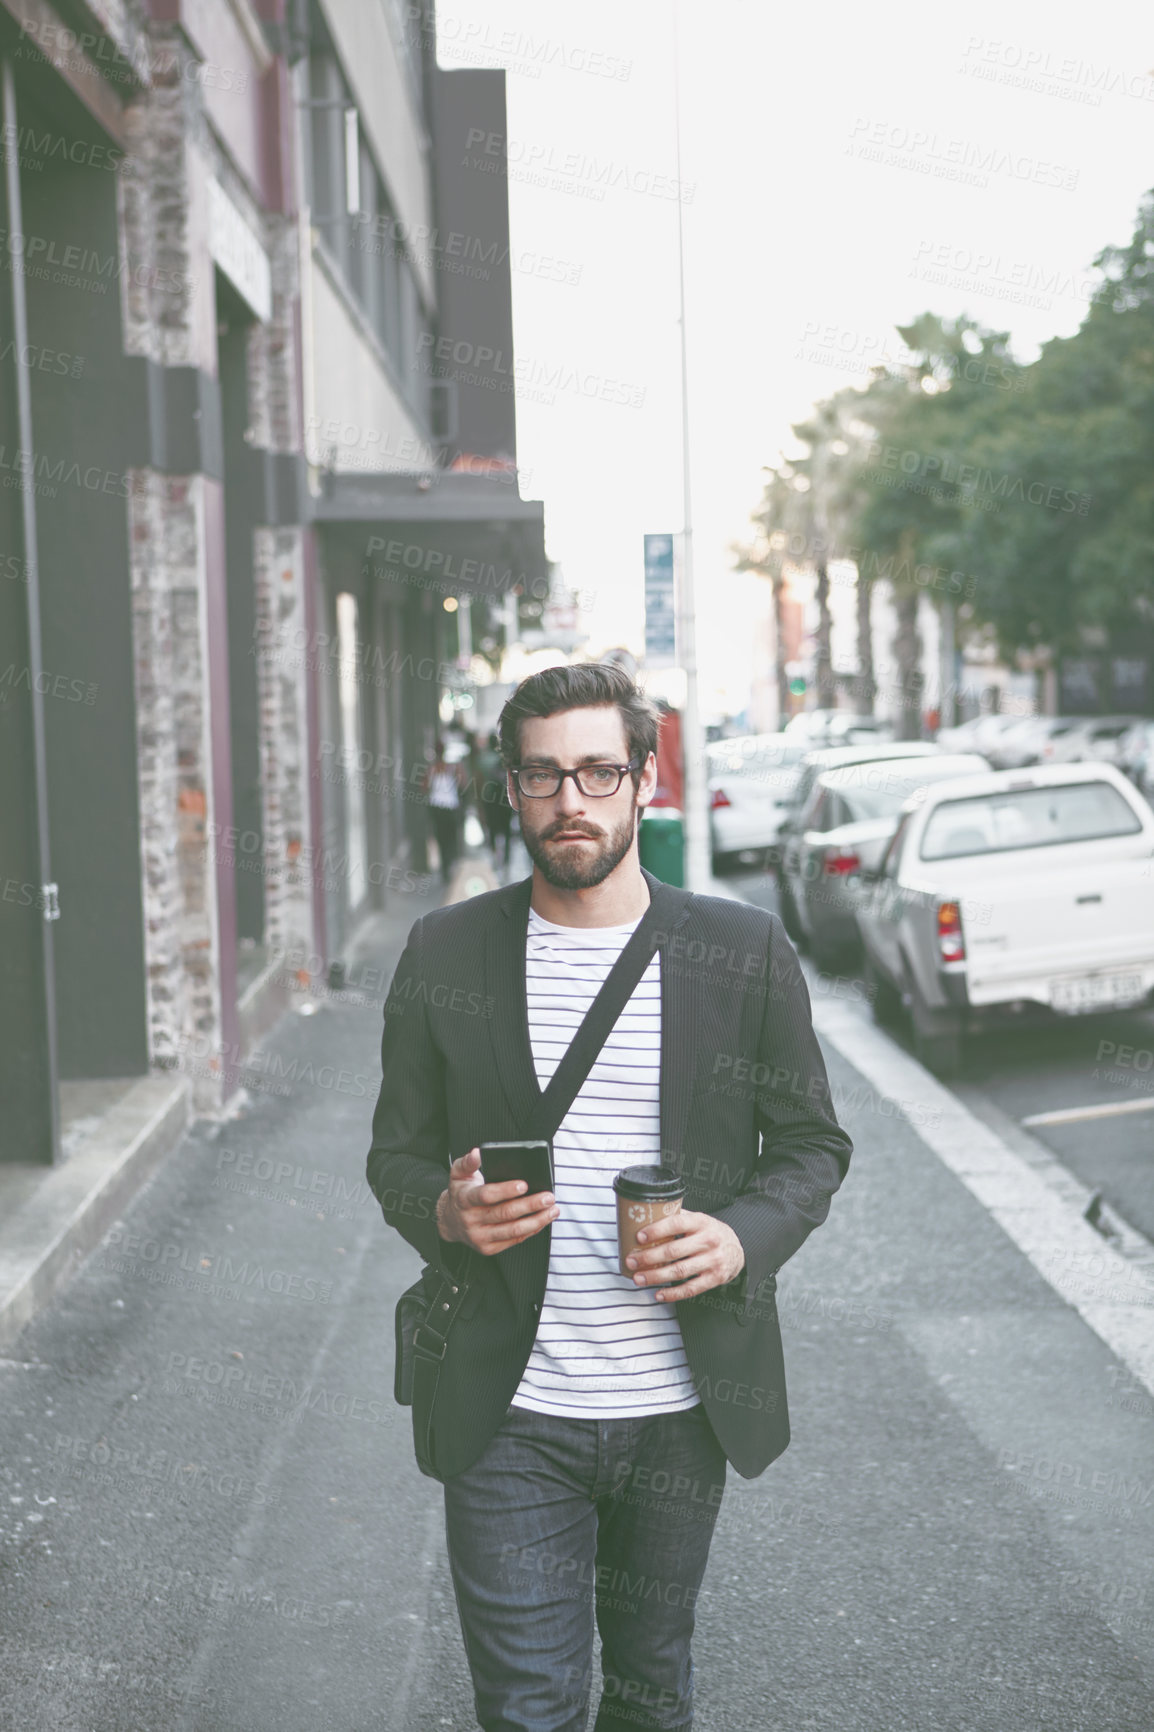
(645, 1195)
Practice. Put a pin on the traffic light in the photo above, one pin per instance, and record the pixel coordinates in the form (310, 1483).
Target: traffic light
(531, 601)
(797, 686)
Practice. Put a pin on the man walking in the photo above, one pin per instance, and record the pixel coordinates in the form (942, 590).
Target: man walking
(583, 1418)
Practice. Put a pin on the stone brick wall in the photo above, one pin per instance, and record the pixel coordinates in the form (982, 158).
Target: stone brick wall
(167, 276)
(169, 317)
(274, 394)
(171, 679)
(284, 736)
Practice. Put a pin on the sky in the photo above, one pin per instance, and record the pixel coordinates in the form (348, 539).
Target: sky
(840, 173)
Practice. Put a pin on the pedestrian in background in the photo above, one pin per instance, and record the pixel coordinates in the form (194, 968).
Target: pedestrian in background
(445, 783)
(580, 1400)
(496, 812)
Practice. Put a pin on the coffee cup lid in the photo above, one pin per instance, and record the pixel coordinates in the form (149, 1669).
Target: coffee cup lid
(646, 1183)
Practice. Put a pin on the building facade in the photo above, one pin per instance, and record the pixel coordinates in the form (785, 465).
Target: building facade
(242, 473)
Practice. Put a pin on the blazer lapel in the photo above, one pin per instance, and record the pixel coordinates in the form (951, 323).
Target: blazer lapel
(524, 1268)
(509, 1023)
(682, 989)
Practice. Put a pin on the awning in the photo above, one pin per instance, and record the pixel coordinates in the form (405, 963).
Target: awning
(446, 531)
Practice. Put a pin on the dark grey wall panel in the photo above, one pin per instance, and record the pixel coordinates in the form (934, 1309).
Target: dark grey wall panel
(82, 525)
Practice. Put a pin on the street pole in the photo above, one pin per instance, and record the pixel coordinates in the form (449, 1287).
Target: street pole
(697, 872)
(947, 706)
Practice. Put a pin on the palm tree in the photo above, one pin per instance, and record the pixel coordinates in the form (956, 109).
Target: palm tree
(829, 479)
(767, 555)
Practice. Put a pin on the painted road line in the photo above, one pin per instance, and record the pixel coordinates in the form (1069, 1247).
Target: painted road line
(1111, 1295)
(1073, 1115)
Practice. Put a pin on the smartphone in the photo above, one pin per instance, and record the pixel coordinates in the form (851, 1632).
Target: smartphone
(530, 1162)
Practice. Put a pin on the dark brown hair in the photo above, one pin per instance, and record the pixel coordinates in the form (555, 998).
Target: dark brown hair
(586, 685)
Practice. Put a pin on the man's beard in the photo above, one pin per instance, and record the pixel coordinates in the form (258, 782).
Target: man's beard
(567, 868)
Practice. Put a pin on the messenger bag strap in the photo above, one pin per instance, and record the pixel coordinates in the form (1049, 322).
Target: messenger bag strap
(668, 909)
(429, 1343)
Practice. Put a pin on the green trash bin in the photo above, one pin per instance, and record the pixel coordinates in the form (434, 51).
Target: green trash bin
(661, 844)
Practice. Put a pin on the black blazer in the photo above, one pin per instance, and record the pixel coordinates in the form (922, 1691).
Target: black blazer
(746, 1118)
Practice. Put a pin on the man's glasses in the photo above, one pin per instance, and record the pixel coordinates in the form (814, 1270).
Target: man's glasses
(596, 781)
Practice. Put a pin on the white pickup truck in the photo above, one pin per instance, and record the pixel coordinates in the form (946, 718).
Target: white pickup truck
(1018, 891)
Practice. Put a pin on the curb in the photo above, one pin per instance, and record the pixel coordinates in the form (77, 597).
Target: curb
(45, 1238)
(1112, 1293)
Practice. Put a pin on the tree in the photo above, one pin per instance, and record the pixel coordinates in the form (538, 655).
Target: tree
(912, 500)
(803, 522)
(1071, 545)
(1021, 497)
(818, 515)
(767, 556)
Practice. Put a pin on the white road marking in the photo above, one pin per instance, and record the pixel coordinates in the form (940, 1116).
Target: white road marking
(1111, 1295)
(1105, 1110)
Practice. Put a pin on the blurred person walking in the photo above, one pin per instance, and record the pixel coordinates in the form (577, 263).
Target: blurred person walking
(445, 783)
(496, 812)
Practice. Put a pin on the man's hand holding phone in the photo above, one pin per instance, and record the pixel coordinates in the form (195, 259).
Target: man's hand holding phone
(490, 1218)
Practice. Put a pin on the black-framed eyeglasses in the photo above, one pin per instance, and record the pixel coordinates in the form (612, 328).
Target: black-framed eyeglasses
(596, 781)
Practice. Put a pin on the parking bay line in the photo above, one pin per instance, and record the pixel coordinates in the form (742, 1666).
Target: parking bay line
(1074, 1115)
(1057, 1240)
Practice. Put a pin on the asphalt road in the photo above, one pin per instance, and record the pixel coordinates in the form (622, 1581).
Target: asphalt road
(1073, 1066)
(211, 1521)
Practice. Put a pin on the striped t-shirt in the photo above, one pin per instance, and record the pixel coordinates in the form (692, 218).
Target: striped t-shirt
(604, 1348)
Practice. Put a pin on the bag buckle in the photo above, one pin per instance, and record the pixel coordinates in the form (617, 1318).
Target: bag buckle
(426, 1348)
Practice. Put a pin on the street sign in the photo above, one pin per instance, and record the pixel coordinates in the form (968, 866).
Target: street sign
(660, 605)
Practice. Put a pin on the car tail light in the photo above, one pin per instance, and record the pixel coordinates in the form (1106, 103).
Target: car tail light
(718, 798)
(951, 943)
(839, 862)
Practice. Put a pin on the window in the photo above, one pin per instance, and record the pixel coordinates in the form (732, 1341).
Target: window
(804, 787)
(1028, 818)
(361, 234)
(367, 274)
(415, 34)
(325, 155)
(766, 767)
(815, 815)
(889, 866)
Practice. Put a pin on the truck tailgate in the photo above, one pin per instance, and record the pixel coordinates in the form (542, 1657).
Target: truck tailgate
(1038, 921)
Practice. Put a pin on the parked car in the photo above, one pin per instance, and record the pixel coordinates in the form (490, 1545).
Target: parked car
(1095, 739)
(1011, 895)
(838, 727)
(810, 724)
(1016, 747)
(1137, 755)
(980, 734)
(846, 729)
(848, 820)
(750, 782)
(824, 758)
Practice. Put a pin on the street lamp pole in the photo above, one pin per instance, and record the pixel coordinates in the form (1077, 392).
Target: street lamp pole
(697, 872)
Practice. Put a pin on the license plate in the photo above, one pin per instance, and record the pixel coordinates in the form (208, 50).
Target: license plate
(1097, 990)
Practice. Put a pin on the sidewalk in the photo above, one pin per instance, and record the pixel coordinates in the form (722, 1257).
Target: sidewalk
(960, 1537)
(118, 1133)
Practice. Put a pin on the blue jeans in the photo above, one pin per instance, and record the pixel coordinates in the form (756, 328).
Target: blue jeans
(559, 1518)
